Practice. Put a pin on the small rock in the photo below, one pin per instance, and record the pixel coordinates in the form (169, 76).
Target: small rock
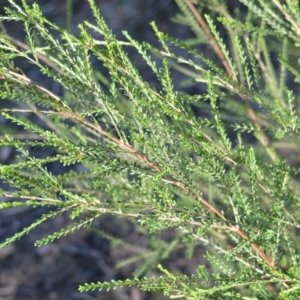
(47, 249)
(5, 153)
(7, 251)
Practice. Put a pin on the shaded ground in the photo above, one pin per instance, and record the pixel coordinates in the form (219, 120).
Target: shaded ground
(56, 270)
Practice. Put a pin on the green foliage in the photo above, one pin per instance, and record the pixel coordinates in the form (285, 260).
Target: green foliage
(225, 179)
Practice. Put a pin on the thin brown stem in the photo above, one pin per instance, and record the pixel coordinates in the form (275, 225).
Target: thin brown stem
(211, 38)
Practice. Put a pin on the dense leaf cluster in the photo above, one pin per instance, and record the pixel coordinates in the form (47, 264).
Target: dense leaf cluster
(224, 179)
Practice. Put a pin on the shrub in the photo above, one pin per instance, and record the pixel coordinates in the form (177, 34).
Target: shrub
(226, 178)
